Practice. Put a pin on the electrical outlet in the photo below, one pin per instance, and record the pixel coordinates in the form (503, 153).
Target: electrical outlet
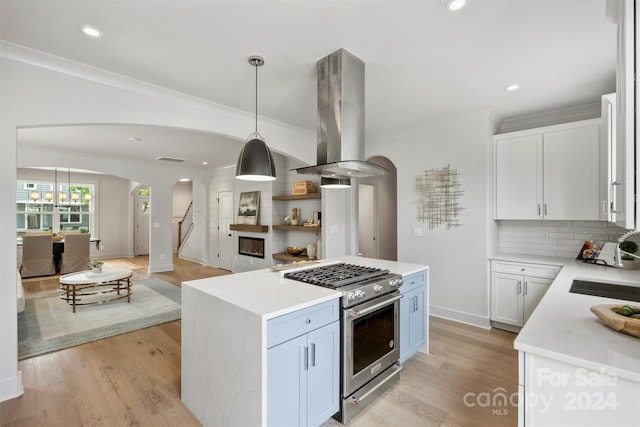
(417, 231)
(162, 256)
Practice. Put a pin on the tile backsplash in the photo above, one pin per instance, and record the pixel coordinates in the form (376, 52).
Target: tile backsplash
(553, 238)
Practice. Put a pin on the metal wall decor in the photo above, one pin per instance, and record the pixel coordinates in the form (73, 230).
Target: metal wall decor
(439, 193)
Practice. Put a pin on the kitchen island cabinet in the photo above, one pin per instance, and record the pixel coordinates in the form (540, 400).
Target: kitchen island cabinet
(573, 369)
(303, 373)
(549, 173)
(413, 314)
(237, 334)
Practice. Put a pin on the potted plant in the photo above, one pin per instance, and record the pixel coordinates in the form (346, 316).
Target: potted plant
(628, 262)
(96, 265)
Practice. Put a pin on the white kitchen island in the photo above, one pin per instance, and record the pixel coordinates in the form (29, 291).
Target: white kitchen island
(225, 333)
(574, 370)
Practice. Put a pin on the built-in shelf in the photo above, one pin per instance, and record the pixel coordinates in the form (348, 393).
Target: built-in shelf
(298, 196)
(247, 227)
(296, 227)
(288, 257)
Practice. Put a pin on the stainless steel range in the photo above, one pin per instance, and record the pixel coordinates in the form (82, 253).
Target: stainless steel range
(370, 320)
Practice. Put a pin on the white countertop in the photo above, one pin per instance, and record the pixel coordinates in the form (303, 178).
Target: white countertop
(563, 327)
(267, 294)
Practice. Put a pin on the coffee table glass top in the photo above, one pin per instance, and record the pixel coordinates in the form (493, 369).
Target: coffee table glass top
(87, 277)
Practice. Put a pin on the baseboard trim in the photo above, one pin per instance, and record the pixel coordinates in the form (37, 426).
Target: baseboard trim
(460, 316)
(12, 387)
(160, 268)
(192, 259)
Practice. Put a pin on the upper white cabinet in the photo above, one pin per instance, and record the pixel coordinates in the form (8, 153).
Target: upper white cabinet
(625, 118)
(551, 172)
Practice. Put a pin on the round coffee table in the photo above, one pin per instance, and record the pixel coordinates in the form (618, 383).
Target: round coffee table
(96, 288)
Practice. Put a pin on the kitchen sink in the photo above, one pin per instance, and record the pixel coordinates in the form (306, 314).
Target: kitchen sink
(608, 290)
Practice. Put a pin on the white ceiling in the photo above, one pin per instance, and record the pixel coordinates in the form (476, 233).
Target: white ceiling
(424, 65)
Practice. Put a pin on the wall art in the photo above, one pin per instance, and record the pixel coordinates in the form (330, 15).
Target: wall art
(439, 192)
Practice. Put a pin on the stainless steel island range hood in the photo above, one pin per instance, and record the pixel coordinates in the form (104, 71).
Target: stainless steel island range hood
(341, 121)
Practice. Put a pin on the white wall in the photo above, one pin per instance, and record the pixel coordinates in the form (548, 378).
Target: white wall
(457, 258)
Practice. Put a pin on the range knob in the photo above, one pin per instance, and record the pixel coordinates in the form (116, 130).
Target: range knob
(351, 296)
(360, 294)
(394, 283)
(377, 288)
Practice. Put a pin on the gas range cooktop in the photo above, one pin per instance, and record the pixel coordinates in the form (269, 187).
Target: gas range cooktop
(357, 283)
(336, 275)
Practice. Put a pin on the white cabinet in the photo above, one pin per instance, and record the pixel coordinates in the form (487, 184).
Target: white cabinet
(549, 173)
(413, 314)
(303, 366)
(554, 392)
(516, 290)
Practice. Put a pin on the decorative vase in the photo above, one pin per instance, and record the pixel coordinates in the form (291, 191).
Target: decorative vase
(311, 250)
(294, 216)
(319, 249)
(96, 269)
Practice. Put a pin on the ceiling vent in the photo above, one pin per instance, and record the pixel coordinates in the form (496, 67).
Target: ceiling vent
(171, 159)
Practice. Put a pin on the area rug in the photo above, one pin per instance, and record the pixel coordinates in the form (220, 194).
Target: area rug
(48, 323)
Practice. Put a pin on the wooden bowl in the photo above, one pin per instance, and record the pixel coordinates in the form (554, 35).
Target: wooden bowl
(294, 250)
(618, 322)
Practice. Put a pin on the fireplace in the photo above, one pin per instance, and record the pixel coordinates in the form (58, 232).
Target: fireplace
(251, 246)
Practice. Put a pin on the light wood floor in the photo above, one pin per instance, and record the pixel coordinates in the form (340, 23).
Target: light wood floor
(134, 379)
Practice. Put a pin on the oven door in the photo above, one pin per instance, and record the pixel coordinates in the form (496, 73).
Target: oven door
(371, 334)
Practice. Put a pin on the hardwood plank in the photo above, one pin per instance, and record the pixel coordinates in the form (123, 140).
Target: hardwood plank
(134, 378)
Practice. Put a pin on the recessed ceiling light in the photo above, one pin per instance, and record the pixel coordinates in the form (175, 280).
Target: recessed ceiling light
(456, 4)
(512, 87)
(205, 163)
(134, 138)
(185, 179)
(91, 31)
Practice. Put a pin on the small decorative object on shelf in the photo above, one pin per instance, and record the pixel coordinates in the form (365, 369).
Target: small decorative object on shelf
(294, 216)
(303, 187)
(96, 265)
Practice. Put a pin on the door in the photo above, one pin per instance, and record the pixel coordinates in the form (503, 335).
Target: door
(534, 290)
(368, 234)
(506, 298)
(518, 177)
(225, 235)
(142, 225)
(323, 384)
(572, 174)
(287, 383)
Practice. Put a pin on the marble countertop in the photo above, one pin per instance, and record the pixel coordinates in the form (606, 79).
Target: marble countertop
(563, 327)
(268, 294)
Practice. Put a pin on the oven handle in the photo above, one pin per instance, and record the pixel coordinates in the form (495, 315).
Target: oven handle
(358, 313)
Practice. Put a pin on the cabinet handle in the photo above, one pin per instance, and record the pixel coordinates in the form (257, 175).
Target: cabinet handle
(525, 287)
(545, 209)
(313, 354)
(519, 287)
(306, 358)
(539, 212)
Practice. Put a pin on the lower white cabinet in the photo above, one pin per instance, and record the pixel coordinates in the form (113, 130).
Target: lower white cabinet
(558, 393)
(303, 383)
(413, 328)
(516, 290)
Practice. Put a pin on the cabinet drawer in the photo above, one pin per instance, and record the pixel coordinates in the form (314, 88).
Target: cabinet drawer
(536, 270)
(413, 281)
(288, 326)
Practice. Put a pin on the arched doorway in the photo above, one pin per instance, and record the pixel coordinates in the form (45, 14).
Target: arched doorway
(377, 213)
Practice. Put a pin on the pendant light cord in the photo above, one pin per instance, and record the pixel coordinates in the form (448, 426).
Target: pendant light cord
(256, 67)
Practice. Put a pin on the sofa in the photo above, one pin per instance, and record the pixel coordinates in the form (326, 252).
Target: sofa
(20, 292)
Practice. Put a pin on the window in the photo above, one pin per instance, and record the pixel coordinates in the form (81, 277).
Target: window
(41, 207)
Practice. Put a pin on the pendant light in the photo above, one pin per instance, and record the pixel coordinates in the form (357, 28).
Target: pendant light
(255, 162)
